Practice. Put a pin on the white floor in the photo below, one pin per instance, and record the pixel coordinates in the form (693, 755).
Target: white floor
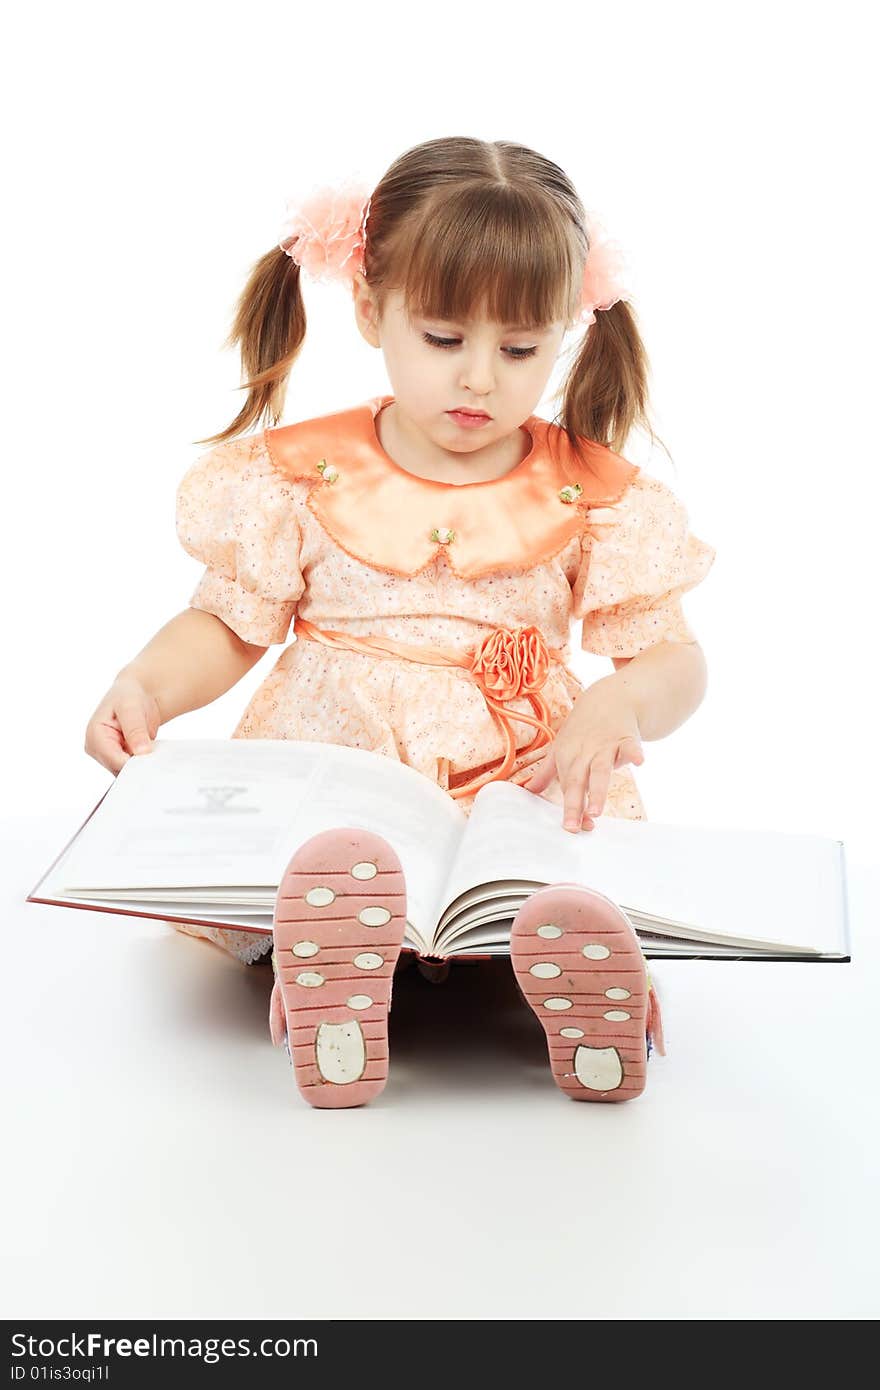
(160, 1162)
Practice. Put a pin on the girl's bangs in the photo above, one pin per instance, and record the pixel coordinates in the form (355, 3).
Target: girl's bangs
(490, 255)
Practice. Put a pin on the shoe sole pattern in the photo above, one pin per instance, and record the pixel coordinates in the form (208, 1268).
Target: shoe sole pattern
(579, 965)
(340, 917)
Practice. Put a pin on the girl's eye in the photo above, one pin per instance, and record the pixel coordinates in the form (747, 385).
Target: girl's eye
(516, 353)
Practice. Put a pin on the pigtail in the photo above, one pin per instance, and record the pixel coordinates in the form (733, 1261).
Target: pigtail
(270, 325)
(605, 392)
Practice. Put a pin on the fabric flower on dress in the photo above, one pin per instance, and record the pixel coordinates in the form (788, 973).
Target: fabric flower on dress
(325, 231)
(510, 662)
(605, 274)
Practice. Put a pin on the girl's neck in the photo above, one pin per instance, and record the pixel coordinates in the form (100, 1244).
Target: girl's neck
(415, 454)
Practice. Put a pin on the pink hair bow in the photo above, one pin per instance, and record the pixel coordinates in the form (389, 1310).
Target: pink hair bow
(324, 232)
(605, 275)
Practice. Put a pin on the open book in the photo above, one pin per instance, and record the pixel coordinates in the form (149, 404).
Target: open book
(201, 831)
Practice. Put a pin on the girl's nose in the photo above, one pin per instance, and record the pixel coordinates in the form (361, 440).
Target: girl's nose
(477, 375)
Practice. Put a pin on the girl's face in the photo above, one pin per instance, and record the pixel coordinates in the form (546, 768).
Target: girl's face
(435, 367)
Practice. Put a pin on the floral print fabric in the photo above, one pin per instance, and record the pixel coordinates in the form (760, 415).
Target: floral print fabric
(267, 558)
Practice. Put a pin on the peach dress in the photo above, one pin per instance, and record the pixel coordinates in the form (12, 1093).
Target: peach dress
(313, 524)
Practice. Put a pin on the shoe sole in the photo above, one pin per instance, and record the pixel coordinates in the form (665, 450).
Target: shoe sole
(340, 917)
(579, 965)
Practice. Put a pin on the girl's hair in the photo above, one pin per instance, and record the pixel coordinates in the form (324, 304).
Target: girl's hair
(463, 226)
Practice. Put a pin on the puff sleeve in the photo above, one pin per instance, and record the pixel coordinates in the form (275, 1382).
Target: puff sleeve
(637, 559)
(237, 515)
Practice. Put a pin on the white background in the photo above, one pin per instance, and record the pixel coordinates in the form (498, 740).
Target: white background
(729, 150)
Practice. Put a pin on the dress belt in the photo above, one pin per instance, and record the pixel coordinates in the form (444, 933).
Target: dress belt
(507, 664)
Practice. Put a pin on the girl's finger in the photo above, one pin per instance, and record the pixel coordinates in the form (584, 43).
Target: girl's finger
(542, 774)
(573, 793)
(115, 762)
(629, 751)
(600, 777)
(133, 721)
(104, 744)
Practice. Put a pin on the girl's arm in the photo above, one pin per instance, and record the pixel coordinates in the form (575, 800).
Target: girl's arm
(663, 685)
(191, 661)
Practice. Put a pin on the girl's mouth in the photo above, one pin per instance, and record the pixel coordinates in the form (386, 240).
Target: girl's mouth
(468, 420)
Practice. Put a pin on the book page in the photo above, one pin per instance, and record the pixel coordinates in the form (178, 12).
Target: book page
(229, 813)
(723, 885)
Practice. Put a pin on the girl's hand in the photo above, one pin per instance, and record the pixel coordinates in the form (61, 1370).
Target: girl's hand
(125, 722)
(600, 734)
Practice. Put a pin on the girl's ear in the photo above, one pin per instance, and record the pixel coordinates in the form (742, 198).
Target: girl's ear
(365, 310)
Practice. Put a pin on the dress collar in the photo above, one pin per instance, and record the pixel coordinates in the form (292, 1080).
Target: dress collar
(398, 522)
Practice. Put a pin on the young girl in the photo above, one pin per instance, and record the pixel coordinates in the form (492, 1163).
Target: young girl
(431, 547)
